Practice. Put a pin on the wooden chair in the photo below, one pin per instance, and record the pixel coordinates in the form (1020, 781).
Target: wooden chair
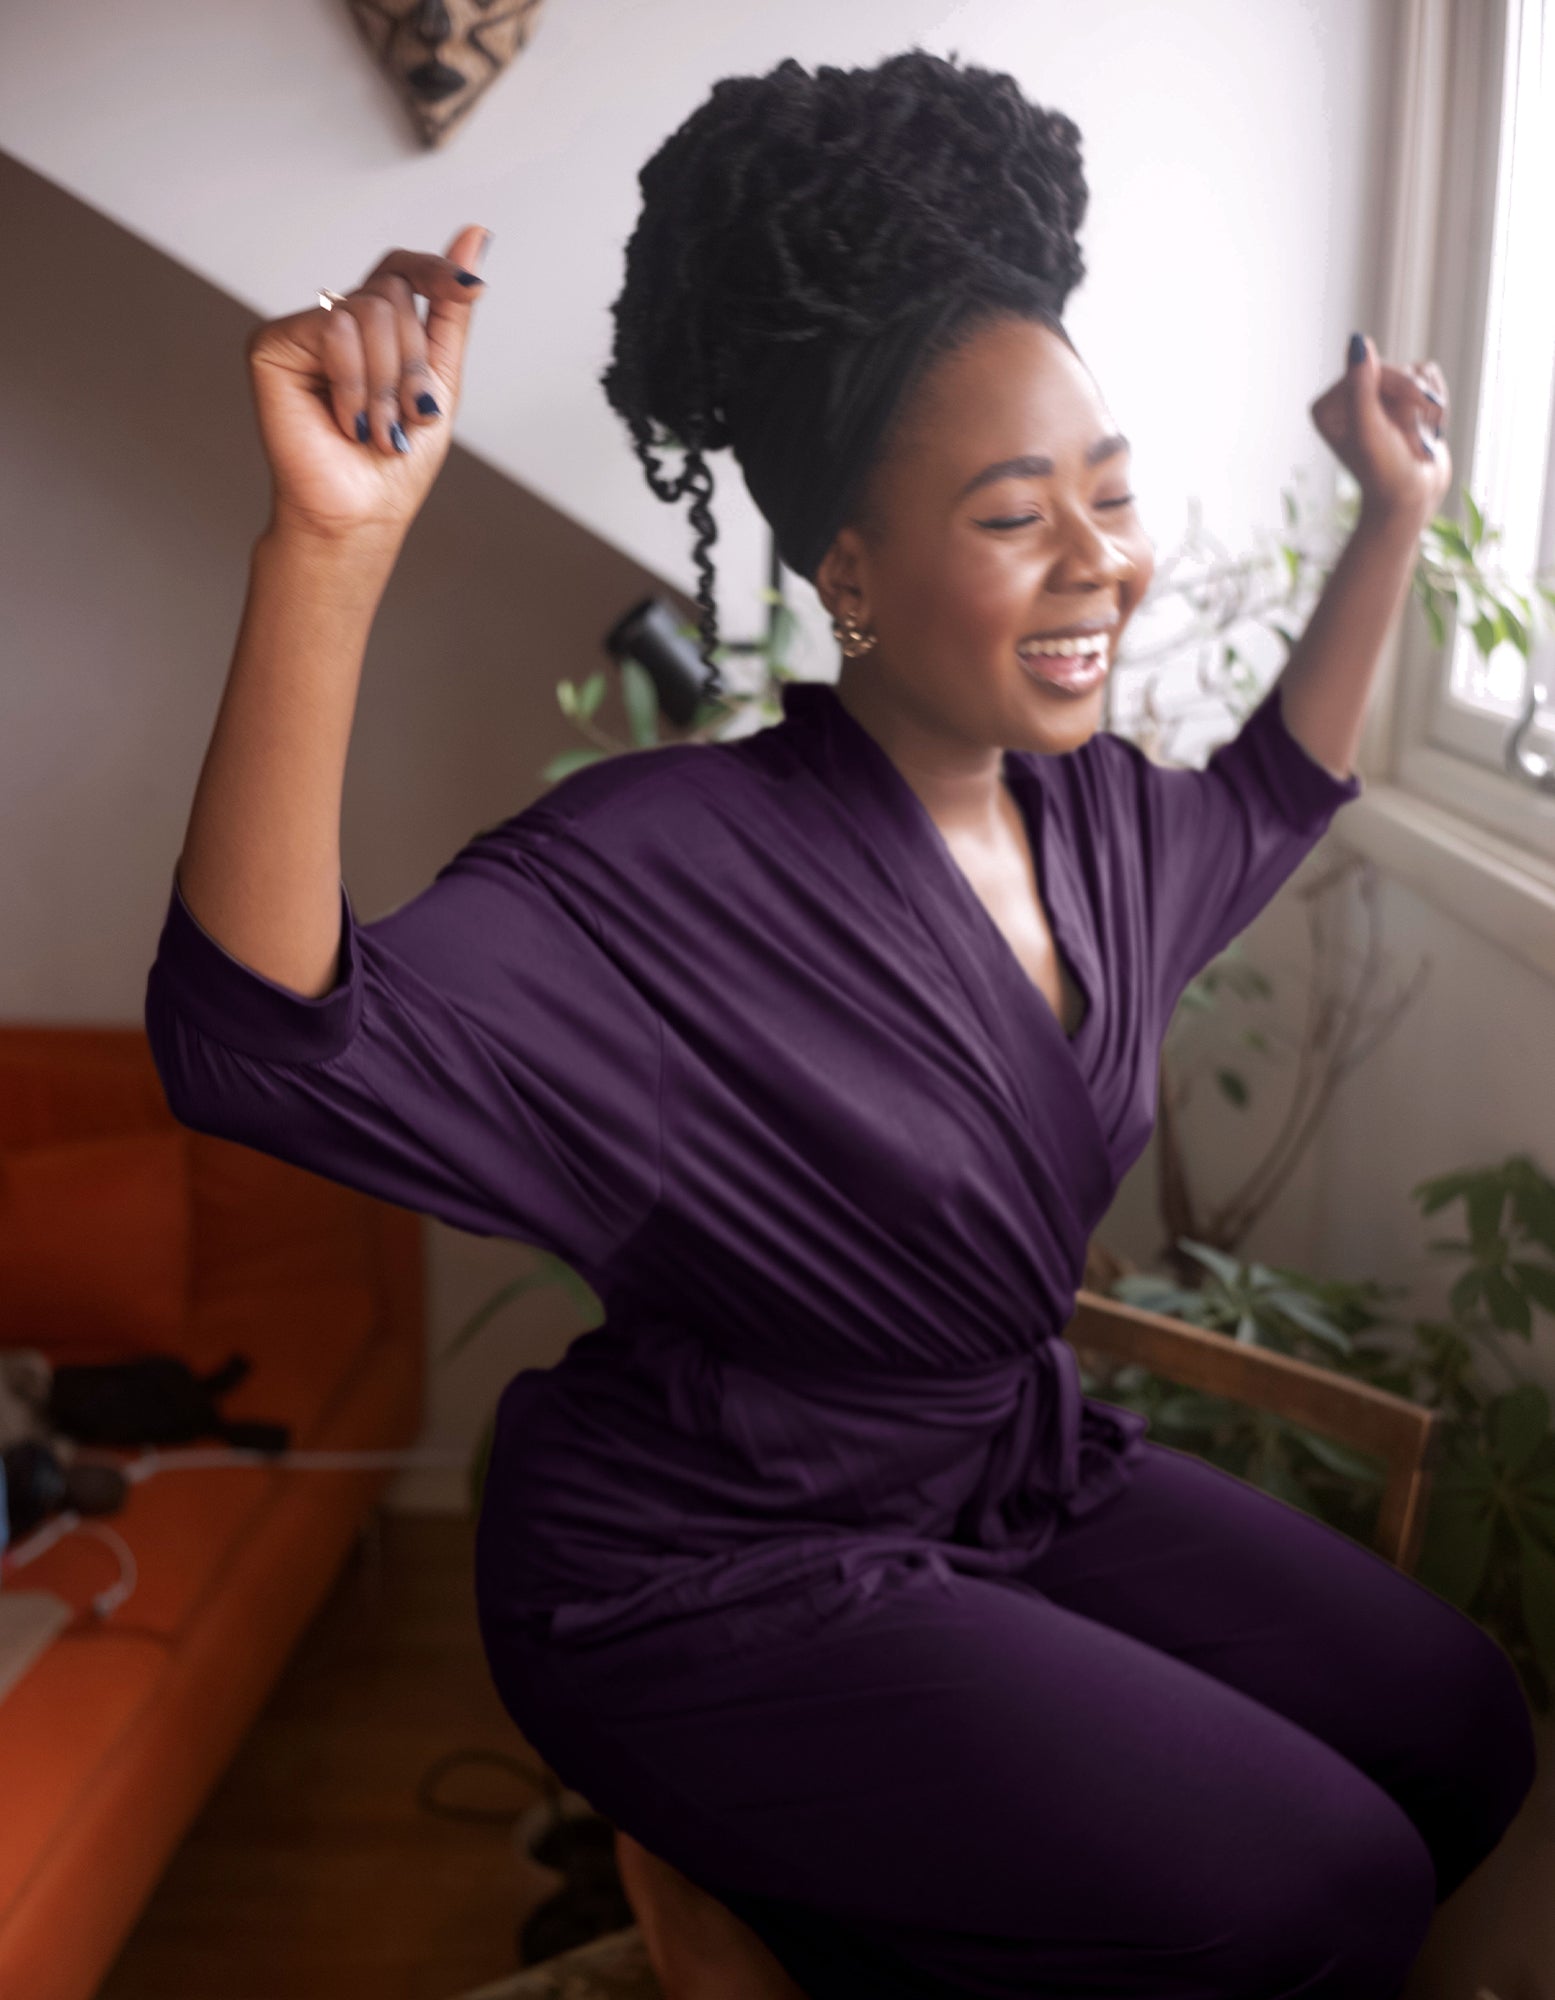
(1406, 1437)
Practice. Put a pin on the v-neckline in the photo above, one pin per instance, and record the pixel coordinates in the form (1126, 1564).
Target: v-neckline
(1032, 805)
(954, 885)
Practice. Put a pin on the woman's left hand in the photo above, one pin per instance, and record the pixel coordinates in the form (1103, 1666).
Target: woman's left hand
(1381, 423)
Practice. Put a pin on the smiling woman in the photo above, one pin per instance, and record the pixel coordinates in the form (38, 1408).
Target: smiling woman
(820, 1053)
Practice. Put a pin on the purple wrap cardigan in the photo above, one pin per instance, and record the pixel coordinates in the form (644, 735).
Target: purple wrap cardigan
(726, 1027)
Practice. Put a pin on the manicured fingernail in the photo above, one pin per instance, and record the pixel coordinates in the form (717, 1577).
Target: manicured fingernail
(469, 278)
(1357, 349)
(363, 428)
(427, 405)
(398, 438)
(1431, 396)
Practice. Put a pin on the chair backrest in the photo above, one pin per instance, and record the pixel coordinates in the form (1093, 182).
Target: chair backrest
(1406, 1437)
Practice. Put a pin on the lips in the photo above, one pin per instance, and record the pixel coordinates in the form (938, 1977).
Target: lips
(1076, 672)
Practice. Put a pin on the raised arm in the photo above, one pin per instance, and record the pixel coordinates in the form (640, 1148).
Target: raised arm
(260, 865)
(476, 1054)
(1382, 423)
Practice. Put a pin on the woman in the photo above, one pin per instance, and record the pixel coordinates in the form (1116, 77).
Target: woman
(902, 1667)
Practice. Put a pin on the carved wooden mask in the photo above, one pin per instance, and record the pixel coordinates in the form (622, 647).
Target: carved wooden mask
(444, 54)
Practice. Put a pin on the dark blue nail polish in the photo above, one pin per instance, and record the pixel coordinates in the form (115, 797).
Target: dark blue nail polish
(1357, 349)
(469, 278)
(427, 405)
(398, 438)
(363, 428)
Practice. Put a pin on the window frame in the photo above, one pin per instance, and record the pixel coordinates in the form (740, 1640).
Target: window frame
(1439, 752)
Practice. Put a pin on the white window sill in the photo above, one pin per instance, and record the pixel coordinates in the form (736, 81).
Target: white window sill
(1493, 887)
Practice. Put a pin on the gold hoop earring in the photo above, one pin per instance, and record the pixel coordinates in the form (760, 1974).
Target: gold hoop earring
(849, 635)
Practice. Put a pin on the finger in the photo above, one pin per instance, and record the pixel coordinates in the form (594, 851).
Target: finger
(448, 313)
(1403, 387)
(1411, 406)
(449, 286)
(345, 366)
(381, 347)
(418, 385)
(1369, 420)
(1432, 373)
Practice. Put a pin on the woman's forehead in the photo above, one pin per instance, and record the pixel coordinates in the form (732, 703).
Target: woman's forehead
(1014, 392)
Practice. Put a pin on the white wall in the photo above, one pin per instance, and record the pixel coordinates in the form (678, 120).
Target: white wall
(1231, 150)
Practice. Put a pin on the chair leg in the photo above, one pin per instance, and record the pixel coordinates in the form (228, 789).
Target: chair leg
(699, 1949)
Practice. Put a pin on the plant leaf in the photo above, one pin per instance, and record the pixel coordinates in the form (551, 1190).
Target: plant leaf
(1227, 1269)
(1360, 1466)
(1538, 1598)
(1537, 1280)
(1519, 1423)
(1456, 1548)
(642, 703)
(1506, 1304)
(567, 761)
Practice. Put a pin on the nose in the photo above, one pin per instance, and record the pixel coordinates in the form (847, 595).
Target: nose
(1091, 555)
(432, 23)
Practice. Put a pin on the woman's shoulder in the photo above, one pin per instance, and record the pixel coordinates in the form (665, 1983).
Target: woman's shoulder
(625, 803)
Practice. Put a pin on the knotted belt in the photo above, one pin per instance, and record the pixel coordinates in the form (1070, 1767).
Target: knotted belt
(1035, 1454)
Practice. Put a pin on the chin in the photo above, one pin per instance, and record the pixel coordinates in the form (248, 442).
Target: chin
(1056, 719)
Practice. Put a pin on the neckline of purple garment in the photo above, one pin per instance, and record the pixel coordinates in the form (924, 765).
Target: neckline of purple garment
(818, 702)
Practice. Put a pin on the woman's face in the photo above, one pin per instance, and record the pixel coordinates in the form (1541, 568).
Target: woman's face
(1002, 514)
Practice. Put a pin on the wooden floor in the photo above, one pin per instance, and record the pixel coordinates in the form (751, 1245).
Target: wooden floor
(313, 1871)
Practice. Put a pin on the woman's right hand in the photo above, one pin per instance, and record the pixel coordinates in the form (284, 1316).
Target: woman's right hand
(312, 373)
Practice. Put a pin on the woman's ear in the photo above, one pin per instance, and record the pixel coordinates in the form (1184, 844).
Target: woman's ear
(839, 581)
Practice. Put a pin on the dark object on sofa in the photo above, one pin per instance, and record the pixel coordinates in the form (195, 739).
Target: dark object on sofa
(39, 1483)
(157, 1399)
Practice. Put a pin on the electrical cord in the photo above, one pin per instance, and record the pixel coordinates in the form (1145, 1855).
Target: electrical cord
(195, 1458)
(592, 1901)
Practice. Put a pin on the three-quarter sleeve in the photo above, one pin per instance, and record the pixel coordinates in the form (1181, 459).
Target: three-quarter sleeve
(481, 1057)
(1217, 843)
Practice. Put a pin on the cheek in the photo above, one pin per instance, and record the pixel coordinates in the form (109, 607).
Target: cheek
(957, 599)
(1141, 553)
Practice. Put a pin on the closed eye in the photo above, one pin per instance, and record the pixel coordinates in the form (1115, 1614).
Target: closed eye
(1027, 520)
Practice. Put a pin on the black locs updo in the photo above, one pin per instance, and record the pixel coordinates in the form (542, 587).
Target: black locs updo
(807, 216)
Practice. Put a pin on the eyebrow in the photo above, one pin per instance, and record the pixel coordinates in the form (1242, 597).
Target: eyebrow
(1035, 466)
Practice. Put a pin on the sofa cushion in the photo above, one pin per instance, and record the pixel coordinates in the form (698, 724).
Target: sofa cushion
(95, 1245)
(57, 1726)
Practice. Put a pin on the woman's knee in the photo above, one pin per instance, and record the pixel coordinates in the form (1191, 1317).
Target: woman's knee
(1482, 1751)
(1341, 1917)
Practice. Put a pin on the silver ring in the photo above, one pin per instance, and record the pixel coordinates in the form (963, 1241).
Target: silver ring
(329, 300)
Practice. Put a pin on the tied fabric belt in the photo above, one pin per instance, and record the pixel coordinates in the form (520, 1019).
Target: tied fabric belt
(1035, 1454)
(1020, 1416)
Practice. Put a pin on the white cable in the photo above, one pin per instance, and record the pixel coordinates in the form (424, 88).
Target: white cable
(197, 1457)
(129, 1573)
(41, 1539)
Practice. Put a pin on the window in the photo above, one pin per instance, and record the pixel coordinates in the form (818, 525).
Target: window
(1491, 321)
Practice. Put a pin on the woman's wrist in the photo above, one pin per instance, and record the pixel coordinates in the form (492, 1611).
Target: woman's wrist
(1391, 532)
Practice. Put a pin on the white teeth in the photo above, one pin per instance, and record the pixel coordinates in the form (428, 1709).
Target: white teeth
(1068, 648)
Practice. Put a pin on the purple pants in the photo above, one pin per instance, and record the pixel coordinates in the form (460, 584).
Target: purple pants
(1208, 1747)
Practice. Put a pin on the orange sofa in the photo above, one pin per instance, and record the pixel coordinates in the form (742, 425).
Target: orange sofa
(122, 1231)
